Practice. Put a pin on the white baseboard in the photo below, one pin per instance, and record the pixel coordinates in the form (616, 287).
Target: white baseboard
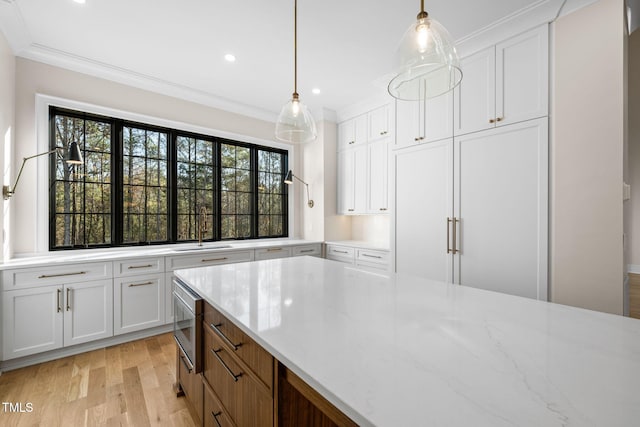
(9, 365)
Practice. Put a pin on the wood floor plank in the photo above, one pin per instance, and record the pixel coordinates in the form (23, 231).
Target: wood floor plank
(125, 385)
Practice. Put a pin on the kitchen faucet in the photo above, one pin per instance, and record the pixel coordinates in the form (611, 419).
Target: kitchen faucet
(202, 224)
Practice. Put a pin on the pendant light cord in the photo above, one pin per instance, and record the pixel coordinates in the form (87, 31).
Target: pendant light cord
(295, 46)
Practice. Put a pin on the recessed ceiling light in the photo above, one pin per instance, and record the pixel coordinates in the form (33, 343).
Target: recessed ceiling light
(80, 1)
(315, 91)
(230, 58)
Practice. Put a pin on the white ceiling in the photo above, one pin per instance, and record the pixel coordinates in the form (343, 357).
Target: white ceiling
(344, 46)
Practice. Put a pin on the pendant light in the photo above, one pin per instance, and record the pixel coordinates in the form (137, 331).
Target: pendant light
(295, 123)
(428, 61)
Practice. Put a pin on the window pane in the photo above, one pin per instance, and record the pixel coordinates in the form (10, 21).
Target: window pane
(272, 195)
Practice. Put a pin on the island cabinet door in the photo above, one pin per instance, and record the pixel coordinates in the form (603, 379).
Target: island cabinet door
(241, 394)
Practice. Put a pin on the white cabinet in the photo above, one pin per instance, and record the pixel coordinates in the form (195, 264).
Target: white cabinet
(355, 254)
(504, 84)
(314, 249)
(424, 121)
(139, 302)
(352, 180)
(345, 254)
(353, 132)
(379, 123)
(479, 215)
(424, 201)
(378, 177)
(47, 317)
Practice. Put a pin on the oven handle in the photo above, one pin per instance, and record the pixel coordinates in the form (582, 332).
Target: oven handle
(183, 358)
(175, 295)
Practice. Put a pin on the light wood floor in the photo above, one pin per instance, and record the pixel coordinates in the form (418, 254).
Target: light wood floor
(634, 295)
(125, 385)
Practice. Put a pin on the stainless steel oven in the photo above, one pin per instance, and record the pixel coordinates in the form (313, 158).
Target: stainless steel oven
(187, 325)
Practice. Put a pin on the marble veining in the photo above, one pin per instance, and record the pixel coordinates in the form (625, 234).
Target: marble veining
(397, 350)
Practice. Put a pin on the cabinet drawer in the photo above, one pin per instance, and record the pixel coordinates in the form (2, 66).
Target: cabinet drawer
(246, 400)
(214, 415)
(138, 266)
(60, 274)
(272, 253)
(341, 253)
(207, 258)
(253, 355)
(311, 250)
(373, 256)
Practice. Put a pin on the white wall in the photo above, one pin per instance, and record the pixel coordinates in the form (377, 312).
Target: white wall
(7, 102)
(587, 154)
(633, 217)
(37, 78)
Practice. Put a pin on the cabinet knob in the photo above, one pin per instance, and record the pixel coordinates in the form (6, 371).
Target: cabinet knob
(492, 121)
(351, 142)
(383, 209)
(499, 119)
(416, 139)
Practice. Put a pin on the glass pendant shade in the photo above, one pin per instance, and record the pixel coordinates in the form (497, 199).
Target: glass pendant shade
(295, 123)
(428, 64)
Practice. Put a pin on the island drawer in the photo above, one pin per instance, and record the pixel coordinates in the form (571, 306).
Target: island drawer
(207, 258)
(240, 344)
(214, 414)
(310, 250)
(21, 278)
(131, 267)
(240, 393)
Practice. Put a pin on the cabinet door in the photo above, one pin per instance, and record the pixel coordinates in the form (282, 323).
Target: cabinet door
(438, 120)
(352, 132)
(346, 182)
(379, 123)
(139, 303)
(378, 177)
(475, 96)
(409, 122)
(31, 321)
(424, 190)
(360, 179)
(501, 201)
(522, 77)
(88, 311)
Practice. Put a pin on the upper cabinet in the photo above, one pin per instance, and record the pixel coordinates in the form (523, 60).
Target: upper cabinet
(379, 123)
(352, 132)
(424, 121)
(504, 84)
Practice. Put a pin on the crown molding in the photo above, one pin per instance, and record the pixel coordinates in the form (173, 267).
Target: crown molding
(13, 26)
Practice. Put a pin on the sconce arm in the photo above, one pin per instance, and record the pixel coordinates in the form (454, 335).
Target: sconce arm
(7, 191)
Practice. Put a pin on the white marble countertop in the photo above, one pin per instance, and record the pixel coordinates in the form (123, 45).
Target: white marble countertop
(111, 254)
(360, 244)
(398, 350)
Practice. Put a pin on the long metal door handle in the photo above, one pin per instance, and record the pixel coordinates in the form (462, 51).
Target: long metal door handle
(133, 285)
(215, 259)
(224, 365)
(48, 276)
(131, 267)
(224, 337)
(215, 417)
(59, 293)
(306, 251)
(274, 249)
(68, 299)
(186, 365)
(372, 256)
(454, 248)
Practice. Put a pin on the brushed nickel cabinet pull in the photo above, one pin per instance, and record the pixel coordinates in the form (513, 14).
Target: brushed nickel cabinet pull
(48, 276)
(133, 285)
(454, 249)
(383, 209)
(224, 365)
(235, 347)
(274, 249)
(339, 252)
(350, 210)
(372, 256)
(214, 259)
(59, 293)
(215, 417)
(68, 299)
(131, 267)
(448, 237)
(306, 251)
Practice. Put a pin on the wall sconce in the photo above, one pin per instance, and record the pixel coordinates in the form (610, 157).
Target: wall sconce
(75, 158)
(289, 180)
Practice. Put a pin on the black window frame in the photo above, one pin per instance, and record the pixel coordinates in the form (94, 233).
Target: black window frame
(117, 186)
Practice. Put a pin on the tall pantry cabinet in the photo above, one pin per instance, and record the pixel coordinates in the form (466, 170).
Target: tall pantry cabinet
(471, 208)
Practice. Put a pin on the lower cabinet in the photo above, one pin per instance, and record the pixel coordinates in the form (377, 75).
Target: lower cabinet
(49, 317)
(139, 302)
(191, 384)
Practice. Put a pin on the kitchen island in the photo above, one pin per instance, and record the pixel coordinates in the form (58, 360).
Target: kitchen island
(397, 350)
